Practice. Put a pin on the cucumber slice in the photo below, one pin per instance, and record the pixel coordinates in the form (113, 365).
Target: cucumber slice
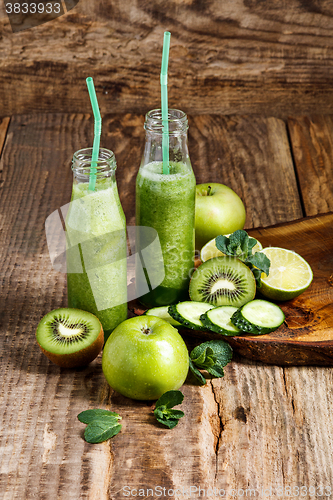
(162, 312)
(258, 317)
(188, 313)
(218, 320)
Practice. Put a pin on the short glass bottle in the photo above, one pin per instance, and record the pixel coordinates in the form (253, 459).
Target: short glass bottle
(166, 202)
(96, 241)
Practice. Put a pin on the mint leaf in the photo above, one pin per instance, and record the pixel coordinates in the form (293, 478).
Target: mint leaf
(169, 418)
(163, 408)
(175, 414)
(222, 244)
(101, 429)
(240, 245)
(89, 415)
(221, 349)
(198, 375)
(170, 399)
(159, 413)
(258, 263)
(171, 423)
(212, 356)
(102, 424)
(217, 371)
(205, 359)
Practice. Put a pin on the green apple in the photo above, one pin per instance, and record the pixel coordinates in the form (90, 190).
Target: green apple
(218, 210)
(144, 357)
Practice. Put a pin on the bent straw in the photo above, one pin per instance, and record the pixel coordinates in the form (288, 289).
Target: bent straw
(97, 132)
(164, 102)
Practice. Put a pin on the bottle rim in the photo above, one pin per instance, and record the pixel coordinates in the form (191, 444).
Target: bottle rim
(177, 121)
(105, 165)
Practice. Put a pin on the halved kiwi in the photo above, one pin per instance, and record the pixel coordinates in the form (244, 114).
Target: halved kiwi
(70, 337)
(223, 281)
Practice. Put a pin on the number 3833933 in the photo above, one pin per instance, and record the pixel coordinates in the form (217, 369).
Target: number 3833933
(33, 8)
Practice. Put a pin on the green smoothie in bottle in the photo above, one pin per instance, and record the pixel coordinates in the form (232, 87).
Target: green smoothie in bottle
(166, 202)
(96, 242)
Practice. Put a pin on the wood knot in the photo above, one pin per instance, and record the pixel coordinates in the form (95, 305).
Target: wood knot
(240, 414)
(298, 317)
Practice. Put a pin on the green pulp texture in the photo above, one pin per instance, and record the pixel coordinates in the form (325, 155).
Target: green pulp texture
(167, 204)
(71, 338)
(96, 253)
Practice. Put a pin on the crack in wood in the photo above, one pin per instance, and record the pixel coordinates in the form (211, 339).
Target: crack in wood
(287, 390)
(108, 477)
(4, 126)
(218, 435)
(298, 183)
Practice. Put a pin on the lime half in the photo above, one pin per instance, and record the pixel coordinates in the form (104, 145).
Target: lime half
(209, 251)
(289, 274)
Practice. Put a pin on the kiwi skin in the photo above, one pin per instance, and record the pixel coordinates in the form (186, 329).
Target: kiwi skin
(79, 358)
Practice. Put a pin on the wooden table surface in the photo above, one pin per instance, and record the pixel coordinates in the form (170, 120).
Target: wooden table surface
(262, 427)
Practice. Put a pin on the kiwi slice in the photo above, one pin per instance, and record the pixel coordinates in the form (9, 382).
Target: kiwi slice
(70, 337)
(223, 281)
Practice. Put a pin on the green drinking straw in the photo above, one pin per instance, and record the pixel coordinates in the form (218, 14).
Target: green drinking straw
(97, 132)
(164, 102)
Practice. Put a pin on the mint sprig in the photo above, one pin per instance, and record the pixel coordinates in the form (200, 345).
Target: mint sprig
(239, 244)
(101, 424)
(88, 416)
(164, 412)
(211, 356)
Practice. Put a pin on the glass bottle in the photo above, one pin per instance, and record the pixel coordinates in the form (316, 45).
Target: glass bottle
(96, 242)
(166, 202)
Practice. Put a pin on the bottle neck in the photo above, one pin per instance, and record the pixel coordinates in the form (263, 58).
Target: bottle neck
(104, 167)
(177, 122)
(177, 137)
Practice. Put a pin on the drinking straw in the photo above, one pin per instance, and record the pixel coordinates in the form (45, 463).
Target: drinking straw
(164, 102)
(97, 132)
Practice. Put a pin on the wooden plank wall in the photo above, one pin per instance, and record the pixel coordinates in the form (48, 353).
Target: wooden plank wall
(272, 57)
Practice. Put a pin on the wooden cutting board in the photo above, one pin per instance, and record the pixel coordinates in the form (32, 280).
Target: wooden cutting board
(306, 337)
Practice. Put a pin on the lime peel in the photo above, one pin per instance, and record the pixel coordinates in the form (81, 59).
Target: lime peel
(289, 274)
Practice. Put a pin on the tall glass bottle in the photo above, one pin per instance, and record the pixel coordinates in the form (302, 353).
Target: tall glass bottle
(96, 242)
(166, 202)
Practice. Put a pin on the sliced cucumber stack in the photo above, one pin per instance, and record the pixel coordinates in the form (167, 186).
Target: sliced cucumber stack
(188, 313)
(258, 317)
(162, 312)
(218, 320)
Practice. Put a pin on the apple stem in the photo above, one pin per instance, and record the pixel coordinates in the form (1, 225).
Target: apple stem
(209, 190)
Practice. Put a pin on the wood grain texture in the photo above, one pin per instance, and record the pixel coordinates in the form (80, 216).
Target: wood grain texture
(312, 146)
(244, 56)
(272, 432)
(4, 123)
(40, 439)
(260, 426)
(251, 155)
